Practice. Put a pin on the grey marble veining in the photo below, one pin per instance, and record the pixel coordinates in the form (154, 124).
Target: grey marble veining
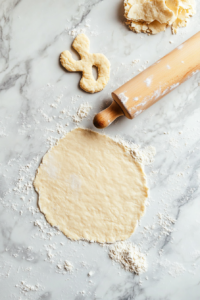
(32, 35)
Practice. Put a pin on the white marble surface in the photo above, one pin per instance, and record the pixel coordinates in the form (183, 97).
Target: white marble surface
(32, 35)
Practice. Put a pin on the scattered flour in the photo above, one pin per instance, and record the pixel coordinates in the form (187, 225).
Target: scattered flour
(136, 61)
(68, 266)
(46, 231)
(129, 257)
(62, 129)
(25, 287)
(166, 222)
(83, 28)
(162, 228)
(174, 269)
(143, 156)
(82, 112)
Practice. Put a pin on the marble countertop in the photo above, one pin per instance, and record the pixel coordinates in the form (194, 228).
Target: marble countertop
(37, 98)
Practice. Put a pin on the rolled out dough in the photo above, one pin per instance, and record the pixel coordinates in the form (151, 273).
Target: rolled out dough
(91, 188)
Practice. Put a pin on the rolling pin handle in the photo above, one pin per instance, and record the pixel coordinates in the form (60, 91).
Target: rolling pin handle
(107, 116)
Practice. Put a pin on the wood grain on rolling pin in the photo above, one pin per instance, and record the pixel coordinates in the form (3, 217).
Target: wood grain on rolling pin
(158, 80)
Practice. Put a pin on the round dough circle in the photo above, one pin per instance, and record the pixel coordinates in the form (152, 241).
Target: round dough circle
(91, 188)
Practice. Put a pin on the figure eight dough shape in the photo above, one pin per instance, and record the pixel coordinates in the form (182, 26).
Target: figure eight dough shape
(91, 188)
(82, 44)
(153, 16)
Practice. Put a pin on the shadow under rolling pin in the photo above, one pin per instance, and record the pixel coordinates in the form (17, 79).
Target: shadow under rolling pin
(151, 85)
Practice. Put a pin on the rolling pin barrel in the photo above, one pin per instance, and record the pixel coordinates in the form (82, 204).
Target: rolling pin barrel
(148, 87)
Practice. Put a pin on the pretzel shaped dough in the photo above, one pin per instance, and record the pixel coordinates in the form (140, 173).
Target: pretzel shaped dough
(82, 44)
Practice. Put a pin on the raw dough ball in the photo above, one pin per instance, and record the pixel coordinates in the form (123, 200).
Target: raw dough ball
(91, 188)
(153, 16)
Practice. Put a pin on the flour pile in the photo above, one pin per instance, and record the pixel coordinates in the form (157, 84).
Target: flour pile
(82, 112)
(153, 16)
(129, 257)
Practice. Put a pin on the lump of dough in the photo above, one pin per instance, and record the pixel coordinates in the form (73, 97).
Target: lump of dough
(153, 28)
(149, 11)
(153, 16)
(186, 9)
(91, 188)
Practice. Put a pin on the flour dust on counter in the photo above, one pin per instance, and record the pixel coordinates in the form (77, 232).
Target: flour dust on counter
(67, 266)
(84, 27)
(26, 287)
(82, 112)
(143, 156)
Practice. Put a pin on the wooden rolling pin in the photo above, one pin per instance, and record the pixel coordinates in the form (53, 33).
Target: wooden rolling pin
(148, 87)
